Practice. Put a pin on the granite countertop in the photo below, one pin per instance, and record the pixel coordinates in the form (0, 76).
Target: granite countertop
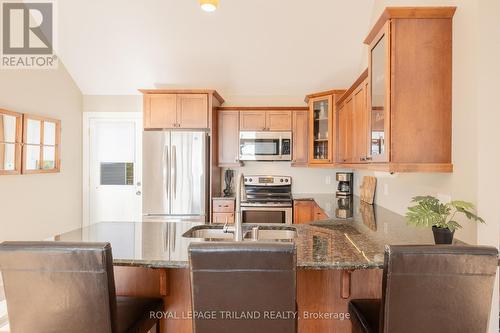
(354, 243)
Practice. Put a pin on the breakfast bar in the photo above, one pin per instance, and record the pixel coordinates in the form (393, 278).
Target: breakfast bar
(336, 259)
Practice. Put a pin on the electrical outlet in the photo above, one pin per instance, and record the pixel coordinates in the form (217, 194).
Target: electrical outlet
(328, 180)
(386, 189)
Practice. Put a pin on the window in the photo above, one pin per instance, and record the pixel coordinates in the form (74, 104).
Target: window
(10, 142)
(41, 144)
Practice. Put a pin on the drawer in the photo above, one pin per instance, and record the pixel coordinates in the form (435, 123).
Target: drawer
(223, 218)
(223, 206)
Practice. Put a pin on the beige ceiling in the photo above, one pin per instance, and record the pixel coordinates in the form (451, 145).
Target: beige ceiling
(253, 47)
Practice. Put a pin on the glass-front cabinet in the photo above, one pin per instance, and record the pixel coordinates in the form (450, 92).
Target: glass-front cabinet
(379, 101)
(321, 127)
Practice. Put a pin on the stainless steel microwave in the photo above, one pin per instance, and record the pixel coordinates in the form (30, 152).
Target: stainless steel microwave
(265, 146)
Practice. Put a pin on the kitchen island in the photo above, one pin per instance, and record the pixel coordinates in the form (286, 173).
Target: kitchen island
(336, 260)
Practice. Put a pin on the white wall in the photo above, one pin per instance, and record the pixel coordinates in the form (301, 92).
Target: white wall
(112, 103)
(34, 207)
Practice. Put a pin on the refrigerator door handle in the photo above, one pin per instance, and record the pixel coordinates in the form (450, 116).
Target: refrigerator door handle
(166, 171)
(174, 171)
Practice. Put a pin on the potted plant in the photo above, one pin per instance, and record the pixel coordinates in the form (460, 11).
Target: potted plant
(430, 212)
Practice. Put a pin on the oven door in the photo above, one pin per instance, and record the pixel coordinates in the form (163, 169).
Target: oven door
(266, 215)
(263, 146)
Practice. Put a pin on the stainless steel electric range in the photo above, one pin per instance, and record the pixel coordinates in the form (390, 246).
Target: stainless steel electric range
(267, 199)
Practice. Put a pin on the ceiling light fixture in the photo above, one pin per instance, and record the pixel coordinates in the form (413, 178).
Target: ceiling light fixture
(209, 5)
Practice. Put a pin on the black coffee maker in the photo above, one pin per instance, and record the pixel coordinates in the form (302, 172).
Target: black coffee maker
(345, 184)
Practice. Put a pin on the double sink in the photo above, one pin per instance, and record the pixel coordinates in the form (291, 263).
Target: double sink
(250, 233)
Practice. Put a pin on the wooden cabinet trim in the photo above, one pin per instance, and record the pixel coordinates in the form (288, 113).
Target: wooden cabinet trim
(408, 13)
(263, 108)
(354, 86)
(211, 92)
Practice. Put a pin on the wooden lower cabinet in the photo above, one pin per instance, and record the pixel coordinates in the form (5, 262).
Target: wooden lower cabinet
(223, 210)
(303, 211)
(319, 292)
(306, 211)
(223, 218)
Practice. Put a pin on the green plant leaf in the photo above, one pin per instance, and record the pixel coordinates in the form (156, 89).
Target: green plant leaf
(429, 211)
(453, 225)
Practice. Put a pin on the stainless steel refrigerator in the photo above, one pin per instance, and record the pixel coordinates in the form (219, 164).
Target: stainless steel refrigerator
(175, 175)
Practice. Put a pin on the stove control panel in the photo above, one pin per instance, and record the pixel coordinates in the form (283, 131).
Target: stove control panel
(268, 180)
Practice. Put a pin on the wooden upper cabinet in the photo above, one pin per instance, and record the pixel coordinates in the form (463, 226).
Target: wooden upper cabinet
(380, 99)
(278, 120)
(342, 133)
(320, 130)
(360, 124)
(160, 111)
(192, 110)
(399, 111)
(228, 143)
(253, 121)
(265, 120)
(300, 142)
(348, 138)
(168, 109)
(409, 90)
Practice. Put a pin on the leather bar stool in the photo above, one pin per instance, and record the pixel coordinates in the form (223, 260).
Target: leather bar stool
(68, 287)
(431, 289)
(254, 279)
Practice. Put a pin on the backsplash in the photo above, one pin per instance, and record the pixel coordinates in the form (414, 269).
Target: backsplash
(304, 180)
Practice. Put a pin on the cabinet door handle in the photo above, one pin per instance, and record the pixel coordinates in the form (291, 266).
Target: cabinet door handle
(362, 159)
(368, 158)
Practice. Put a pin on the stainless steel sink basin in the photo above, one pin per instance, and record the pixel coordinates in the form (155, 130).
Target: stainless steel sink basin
(264, 233)
(285, 233)
(208, 232)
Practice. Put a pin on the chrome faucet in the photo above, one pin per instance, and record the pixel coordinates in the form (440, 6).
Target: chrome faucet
(237, 229)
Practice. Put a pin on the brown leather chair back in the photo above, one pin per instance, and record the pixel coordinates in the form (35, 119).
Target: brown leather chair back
(256, 279)
(54, 286)
(437, 288)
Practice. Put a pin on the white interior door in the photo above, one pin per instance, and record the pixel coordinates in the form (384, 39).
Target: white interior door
(115, 169)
